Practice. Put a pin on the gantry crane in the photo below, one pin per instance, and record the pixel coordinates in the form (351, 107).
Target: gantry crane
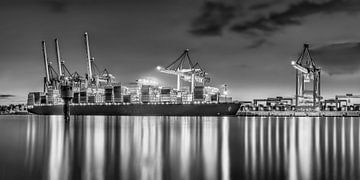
(101, 77)
(51, 79)
(185, 70)
(307, 80)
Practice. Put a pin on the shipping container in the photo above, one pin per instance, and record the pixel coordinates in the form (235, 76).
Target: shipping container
(117, 93)
(214, 97)
(165, 91)
(83, 97)
(145, 98)
(127, 98)
(76, 98)
(37, 97)
(31, 99)
(99, 98)
(109, 91)
(43, 99)
(145, 89)
(91, 99)
(199, 93)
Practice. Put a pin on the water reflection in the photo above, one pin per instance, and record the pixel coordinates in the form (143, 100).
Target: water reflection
(99, 147)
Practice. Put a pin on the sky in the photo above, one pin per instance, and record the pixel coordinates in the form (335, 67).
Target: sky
(246, 44)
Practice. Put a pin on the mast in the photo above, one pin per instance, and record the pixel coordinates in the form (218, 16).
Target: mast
(88, 55)
(45, 62)
(58, 56)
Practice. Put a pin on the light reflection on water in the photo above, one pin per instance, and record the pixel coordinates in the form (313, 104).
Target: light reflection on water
(101, 147)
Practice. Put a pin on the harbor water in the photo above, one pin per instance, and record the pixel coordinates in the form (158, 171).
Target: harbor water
(154, 147)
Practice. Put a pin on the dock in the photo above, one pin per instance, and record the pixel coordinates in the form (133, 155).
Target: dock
(299, 113)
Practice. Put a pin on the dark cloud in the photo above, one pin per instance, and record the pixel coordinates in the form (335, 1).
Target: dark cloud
(256, 44)
(261, 6)
(294, 14)
(5, 96)
(215, 15)
(56, 6)
(338, 59)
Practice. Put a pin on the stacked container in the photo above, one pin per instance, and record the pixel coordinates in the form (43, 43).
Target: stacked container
(145, 93)
(91, 98)
(214, 97)
(83, 97)
(186, 98)
(43, 99)
(199, 93)
(117, 94)
(31, 99)
(76, 98)
(127, 98)
(109, 91)
(53, 95)
(37, 96)
(165, 95)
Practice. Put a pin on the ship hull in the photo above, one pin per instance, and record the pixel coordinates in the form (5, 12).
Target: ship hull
(221, 109)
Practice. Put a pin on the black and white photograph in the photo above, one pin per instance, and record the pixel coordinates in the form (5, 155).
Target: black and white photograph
(179, 89)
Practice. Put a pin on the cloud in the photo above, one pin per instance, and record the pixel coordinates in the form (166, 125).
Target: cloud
(257, 43)
(338, 58)
(57, 6)
(6, 96)
(263, 17)
(261, 6)
(215, 15)
(294, 14)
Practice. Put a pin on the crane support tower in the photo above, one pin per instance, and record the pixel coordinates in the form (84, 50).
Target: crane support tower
(307, 81)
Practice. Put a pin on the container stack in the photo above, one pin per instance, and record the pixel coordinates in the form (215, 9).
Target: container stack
(199, 93)
(109, 91)
(133, 89)
(76, 99)
(117, 94)
(165, 95)
(91, 98)
(43, 99)
(37, 97)
(83, 97)
(127, 98)
(225, 99)
(53, 96)
(186, 98)
(31, 99)
(145, 93)
(214, 98)
(99, 98)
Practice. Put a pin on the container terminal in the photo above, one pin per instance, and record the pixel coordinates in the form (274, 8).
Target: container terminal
(308, 100)
(98, 92)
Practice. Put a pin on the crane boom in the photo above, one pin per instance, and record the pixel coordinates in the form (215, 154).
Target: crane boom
(46, 62)
(86, 38)
(58, 56)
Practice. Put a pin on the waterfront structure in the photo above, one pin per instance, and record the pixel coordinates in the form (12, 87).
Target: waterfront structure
(307, 81)
(98, 93)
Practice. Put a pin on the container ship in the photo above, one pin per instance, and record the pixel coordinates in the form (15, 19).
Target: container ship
(98, 93)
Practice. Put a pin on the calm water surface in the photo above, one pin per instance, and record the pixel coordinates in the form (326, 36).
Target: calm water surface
(109, 147)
